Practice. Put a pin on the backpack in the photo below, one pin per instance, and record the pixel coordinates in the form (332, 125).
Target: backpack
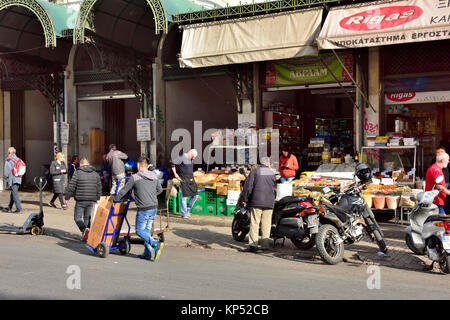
(19, 168)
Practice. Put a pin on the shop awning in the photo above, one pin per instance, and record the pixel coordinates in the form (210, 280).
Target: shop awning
(260, 38)
(385, 23)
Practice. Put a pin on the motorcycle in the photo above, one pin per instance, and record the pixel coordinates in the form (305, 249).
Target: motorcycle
(294, 218)
(346, 223)
(429, 232)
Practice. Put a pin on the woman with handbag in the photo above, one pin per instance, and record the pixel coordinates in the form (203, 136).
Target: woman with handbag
(58, 170)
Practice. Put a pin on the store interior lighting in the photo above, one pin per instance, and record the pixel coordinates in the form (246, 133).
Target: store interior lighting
(311, 86)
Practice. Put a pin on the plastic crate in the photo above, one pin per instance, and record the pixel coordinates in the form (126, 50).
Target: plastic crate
(230, 210)
(199, 206)
(210, 196)
(221, 205)
(172, 205)
(210, 208)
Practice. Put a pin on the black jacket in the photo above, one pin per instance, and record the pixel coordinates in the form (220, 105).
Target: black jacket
(260, 188)
(85, 185)
(59, 178)
(146, 189)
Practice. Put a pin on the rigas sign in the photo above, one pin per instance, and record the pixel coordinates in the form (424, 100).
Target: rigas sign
(401, 97)
(381, 18)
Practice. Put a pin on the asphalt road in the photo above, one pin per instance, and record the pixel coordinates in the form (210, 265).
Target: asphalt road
(45, 267)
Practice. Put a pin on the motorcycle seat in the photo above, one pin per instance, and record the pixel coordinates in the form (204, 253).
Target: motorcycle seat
(437, 217)
(288, 200)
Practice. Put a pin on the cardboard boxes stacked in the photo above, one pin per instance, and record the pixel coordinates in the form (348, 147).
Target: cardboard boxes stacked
(100, 220)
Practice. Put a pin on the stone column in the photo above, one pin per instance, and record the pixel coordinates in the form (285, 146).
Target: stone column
(371, 124)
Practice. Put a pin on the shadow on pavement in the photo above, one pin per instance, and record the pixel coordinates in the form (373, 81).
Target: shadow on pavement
(206, 238)
(68, 240)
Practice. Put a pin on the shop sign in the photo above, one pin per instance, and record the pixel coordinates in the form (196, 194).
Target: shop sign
(385, 23)
(417, 97)
(63, 132)
(143, 130)
(309, 70)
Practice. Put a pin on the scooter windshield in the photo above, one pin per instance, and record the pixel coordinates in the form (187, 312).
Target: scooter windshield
(427, 198)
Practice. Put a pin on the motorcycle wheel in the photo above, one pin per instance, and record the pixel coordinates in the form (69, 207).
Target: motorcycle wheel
(237, 231)
(444, 264)
(325, 242)
(306, 243)
(410, 244)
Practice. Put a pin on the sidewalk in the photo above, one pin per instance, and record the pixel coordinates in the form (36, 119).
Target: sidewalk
(214, 232)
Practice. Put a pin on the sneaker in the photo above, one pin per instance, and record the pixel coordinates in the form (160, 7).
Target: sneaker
(186, 216)
(64, 207)
(6, 210)
(17, 211)
(250, 249)
(85, 235)
(51, 204)
(158, 250)
(144, 256)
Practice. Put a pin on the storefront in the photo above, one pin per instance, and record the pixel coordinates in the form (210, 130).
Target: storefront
(310, 101)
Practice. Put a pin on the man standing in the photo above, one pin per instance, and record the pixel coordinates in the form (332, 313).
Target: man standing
(433, 172)
(13, 182)
(115, 159)
(259, 193)
(86, 188)
(188, 188)
(146, 190)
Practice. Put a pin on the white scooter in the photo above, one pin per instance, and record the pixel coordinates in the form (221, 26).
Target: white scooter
(429, 232)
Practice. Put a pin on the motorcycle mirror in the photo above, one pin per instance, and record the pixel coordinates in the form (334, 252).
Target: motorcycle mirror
(413, 199)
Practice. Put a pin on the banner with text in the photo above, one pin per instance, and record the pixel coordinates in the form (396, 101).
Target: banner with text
(417, 97)
(384, 23)
(309, 70)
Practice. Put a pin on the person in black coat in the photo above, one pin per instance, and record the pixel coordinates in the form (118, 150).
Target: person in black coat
(259, 194)
(58, 170)
(86, 187)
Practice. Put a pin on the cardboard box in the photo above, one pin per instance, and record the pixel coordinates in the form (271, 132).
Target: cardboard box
(222, 190)
(100, 221)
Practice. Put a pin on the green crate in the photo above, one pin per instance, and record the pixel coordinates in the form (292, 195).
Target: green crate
(210, 196)
(230, 210)
(172, 205)
(210, 208)
(199, 205)
(221, 205)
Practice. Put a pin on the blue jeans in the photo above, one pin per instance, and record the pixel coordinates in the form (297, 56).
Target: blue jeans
(185, 207)
(283, 180)
(144, 222)
(14, 198)
(441, 209)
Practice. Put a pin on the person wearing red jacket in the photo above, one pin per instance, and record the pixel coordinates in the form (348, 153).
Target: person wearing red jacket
(288, 165)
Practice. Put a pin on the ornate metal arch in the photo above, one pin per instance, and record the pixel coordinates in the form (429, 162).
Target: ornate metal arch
(42, 15)
(159, 15)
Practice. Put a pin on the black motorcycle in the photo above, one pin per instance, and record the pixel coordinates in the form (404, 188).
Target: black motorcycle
(345, 223)
(294, 218)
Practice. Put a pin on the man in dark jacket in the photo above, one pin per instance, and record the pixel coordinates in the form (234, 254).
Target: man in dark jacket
(259, 194)
(115, 159)
(86, 188)
(146, 189)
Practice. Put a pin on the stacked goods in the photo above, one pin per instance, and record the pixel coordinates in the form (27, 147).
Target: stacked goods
(100, 220)
(390, 196)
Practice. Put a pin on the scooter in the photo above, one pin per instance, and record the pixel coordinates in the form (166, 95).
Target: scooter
(429, 232)
(294, 218)
(35, 221)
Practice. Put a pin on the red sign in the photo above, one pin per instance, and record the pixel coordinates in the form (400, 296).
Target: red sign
(401, 97)
(381, 18)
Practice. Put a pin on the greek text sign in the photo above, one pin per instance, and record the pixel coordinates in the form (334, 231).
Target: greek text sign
(143, 130)
(385, 23)
(417, 97)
